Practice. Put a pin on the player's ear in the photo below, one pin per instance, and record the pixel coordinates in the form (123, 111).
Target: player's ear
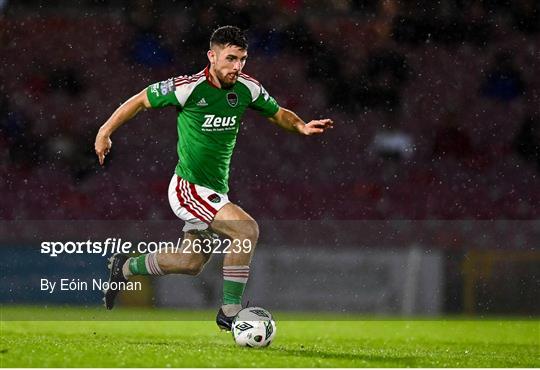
(211, 56)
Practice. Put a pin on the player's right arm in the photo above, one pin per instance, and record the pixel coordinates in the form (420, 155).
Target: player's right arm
(124, 113)
(158, 95)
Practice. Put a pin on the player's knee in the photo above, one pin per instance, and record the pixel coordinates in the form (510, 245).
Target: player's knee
(193, 268)
(243, 230)
(250, 231)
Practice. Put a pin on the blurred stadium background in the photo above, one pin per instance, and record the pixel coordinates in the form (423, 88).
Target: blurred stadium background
(423, 200)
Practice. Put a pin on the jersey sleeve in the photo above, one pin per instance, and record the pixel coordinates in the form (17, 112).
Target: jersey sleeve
(162, 94)
(264, 103)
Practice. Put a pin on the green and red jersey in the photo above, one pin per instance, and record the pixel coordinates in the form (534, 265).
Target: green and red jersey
(208, 121)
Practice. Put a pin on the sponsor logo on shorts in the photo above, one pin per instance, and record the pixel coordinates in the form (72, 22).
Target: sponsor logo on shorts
(214, 198)
(232, 99)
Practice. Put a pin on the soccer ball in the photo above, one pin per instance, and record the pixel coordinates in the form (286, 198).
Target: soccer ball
(253, 327)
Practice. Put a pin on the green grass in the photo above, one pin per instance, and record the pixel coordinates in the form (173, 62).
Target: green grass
(100, 340)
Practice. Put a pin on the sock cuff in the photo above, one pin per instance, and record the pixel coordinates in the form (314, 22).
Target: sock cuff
(152, 265)
(238, 274)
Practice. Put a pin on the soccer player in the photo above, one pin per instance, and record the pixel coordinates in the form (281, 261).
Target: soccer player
(210, 107)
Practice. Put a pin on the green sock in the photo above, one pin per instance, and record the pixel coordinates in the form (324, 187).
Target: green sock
(232, 292)
(145, 264)
(234, 282)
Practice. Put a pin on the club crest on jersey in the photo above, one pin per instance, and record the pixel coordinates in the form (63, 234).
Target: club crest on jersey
(232, 99)
(214, 198)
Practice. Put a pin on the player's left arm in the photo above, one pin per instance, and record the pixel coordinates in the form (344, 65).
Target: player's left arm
(290, 121)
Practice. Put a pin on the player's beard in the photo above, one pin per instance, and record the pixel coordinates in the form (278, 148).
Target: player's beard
(225, 82)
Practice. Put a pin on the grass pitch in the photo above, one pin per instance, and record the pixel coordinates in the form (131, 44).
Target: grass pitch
(167, 338)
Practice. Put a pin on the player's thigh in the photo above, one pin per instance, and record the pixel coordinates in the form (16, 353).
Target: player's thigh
(233, 222)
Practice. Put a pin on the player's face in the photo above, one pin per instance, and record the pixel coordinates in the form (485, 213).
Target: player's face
(227, 63)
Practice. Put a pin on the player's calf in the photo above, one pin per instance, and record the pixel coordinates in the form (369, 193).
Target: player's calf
(163, 263)
(179, 263)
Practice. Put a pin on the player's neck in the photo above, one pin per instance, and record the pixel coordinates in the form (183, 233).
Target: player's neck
(212, 78)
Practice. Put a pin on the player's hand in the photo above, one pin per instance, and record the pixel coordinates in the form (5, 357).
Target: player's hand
(317, 126)
(102, 146)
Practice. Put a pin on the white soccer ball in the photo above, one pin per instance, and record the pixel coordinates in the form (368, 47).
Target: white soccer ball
(253, 327)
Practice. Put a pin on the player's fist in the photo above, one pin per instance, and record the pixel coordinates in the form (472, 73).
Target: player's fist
(317, 126)
(102, 146)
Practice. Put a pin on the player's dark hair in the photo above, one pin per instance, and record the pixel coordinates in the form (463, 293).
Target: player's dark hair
(229, 35)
